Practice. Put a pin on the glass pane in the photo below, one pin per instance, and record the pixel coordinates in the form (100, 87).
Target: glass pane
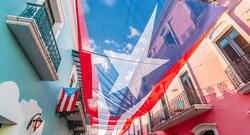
(230, 52)
(224, 42)
(233, 34)
(242, 43)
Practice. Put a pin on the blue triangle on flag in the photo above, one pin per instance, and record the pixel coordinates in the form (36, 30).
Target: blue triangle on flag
(70, 91)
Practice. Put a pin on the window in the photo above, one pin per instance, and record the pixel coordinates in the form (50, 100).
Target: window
(236, 49)
(73, 78)
(165, 107)
(196, 9)
(169, 39)
(205, 129)
(188, 86)
(72, 81)
(208, 132)
(233, 45)
(49, 11)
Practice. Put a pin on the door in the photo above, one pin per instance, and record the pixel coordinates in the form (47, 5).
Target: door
(237, 51)
(189, 89)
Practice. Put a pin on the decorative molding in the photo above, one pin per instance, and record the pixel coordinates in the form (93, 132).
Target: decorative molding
(204, 127)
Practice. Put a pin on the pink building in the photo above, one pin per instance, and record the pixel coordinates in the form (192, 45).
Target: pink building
(211, 93)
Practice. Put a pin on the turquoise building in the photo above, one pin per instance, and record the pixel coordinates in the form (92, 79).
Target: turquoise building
(37, 39)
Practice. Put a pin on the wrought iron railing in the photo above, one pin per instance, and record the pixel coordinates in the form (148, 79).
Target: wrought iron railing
(40, 15)
(177, 105)
(239, 70)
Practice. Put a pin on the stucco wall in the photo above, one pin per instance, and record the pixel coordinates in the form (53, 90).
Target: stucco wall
(229, 107)
(239, 10)
(208, 73)
(16, 68)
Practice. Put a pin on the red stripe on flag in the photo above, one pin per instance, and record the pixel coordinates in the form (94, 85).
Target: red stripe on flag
(111, 124)
(60, 101)
(158, 91)
(66, 104)
(72, 108)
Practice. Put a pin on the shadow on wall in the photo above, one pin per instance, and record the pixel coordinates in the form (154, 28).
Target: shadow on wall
(18, 112)
(226, 103)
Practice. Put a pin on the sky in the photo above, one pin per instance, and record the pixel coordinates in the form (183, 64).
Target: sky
(114, 28)
(117, 24)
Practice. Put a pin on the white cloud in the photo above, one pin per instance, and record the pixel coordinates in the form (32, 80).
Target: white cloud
(109, 2)
(18, 112)
(107, 41)
(102, 61)
(133, 32)
(93, 44)
(129, 46)
(86, 8)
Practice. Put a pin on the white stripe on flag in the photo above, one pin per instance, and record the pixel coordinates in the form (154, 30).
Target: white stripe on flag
(102, 109)
(129, 113)
(71, 101)
(63, 102)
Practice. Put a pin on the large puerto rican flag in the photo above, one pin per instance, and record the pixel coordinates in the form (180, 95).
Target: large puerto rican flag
(136, 81)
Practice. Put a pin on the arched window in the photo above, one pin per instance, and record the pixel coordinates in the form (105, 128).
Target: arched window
(208, 132)
(205, 129)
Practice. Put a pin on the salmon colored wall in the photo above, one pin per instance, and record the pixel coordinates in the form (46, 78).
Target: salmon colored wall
(229, 107)
(239, 10)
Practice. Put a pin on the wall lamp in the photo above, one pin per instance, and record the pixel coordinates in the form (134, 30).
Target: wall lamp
(36, 121)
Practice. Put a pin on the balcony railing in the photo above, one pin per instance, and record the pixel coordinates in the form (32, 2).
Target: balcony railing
(40, 15)
(178, 105)
(239, 70)
(33, 31)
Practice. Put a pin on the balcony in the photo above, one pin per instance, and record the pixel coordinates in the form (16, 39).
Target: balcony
(33, 31)
(239, 73)
(180, 109)
(77, 120)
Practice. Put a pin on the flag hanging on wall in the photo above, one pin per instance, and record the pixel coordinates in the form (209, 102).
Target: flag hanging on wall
(67, 100)
(134, 53)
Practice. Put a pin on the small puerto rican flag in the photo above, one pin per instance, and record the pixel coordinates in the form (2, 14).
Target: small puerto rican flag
(68, 99)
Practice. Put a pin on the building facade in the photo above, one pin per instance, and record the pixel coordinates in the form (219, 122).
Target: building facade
(37, 39)
(210, 95)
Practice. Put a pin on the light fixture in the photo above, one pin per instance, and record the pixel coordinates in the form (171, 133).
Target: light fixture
(36, 121)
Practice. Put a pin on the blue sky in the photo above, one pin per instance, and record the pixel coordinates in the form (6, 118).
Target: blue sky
(114, 28)
(117, 24)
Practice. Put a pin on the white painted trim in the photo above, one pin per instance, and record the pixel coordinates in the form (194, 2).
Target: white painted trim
(182, 71)
(220, 28)
(58, 13)
(71, 6)
(73, 74)
(198, 129)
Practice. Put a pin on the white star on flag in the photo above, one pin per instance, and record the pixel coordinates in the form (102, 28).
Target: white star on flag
(131, 73)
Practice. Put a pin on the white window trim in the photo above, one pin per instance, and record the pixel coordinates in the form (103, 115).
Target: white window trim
(198, 129)
(73, 73)
(71, 6)
(59, 15)
(182, 71)
(220, 28)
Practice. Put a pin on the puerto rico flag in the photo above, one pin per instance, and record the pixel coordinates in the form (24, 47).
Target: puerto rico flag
(123, 80)
(68, 99)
